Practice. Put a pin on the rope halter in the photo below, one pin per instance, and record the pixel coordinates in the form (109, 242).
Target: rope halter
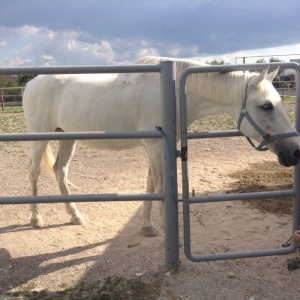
(267, 137)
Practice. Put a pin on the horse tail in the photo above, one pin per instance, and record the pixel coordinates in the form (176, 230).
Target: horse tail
(49, 160)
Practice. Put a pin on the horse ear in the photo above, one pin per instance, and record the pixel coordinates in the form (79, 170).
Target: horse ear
(272, 75)
(258, 79)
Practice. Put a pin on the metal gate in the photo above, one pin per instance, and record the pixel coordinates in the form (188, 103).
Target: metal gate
(168, 123)
(187, 200)
(167, 74)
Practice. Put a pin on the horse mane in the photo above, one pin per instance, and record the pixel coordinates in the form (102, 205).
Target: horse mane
(227, 88)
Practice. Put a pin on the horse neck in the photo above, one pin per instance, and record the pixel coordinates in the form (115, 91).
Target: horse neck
(214, 93)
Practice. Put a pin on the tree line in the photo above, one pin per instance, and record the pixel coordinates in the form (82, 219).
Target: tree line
(21, 80)
(259, 61)
(9, 81)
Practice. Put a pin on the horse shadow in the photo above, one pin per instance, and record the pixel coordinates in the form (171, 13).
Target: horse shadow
(31, 267)
(28, 227)
(22, 271)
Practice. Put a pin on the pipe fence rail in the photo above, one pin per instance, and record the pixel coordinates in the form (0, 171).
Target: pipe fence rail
(16, 98)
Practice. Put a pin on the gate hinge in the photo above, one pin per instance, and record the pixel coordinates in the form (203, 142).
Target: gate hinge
(184, 153)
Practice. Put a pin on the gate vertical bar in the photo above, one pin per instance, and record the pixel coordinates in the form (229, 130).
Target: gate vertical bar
(296, 203)
(170, 192)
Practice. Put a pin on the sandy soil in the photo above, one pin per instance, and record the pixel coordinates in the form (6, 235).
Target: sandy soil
(61, 255)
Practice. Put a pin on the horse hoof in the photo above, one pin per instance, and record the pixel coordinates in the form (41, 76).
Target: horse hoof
(77, 221)
(149, 231)
(37, 222)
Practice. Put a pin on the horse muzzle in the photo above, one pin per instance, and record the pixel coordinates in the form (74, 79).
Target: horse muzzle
(288, 153)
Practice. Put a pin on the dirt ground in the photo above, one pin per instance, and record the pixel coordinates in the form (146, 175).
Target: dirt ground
(61, 256)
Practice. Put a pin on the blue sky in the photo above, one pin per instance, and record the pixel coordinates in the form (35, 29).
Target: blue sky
(76, 32)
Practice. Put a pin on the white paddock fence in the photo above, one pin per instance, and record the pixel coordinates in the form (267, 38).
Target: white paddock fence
(170, 188)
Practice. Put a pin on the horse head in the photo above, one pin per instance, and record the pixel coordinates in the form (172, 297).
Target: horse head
(264, 119)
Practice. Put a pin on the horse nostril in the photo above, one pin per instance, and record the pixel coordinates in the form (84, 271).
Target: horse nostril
(297, 154)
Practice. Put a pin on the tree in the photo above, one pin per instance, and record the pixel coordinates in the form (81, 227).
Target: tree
(274, 59)
(271, 60)
(261, 61)
(23, 79)
(215, 62)
(8, 81)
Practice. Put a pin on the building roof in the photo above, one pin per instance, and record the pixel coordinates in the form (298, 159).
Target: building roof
(296, 61)
(286, 72)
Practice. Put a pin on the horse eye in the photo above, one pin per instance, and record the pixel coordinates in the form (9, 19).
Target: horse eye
(267, 106)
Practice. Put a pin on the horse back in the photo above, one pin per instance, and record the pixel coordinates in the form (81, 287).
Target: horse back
(92, 102)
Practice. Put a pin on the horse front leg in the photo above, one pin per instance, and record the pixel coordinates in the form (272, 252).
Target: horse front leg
(37, 149)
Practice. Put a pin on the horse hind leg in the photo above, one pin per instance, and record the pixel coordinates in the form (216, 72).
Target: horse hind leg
(61, 167)
(37, 151)
(148, 228)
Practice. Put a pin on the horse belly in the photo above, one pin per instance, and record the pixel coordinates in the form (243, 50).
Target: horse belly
(112, 144)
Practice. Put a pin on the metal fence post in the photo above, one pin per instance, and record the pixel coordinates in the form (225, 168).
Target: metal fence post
(169, 165)
(296, 203)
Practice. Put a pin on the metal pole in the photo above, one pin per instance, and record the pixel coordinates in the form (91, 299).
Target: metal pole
(296, 203)
(184, 163)
(80, 198)
(2, 101)
(80, 70)
(170, 166)
(48, 136)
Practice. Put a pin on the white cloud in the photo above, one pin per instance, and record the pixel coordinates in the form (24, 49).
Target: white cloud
(43, 47)
(97, 32)
(16, 62)
(23, 32)
(32, 46)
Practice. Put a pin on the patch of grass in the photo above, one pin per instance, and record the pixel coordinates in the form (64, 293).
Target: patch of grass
(110, 288)
(289, 100)
(293, 264)
(13, 109)
(12, 121)
(217, 122)
(225, 122)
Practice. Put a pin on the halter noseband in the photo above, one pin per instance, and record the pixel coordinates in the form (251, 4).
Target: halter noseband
(267, 138)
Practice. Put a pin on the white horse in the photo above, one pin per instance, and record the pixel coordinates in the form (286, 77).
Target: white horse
(132, 102)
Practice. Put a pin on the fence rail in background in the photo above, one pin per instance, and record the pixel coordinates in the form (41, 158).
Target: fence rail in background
(11, 99)
(285, 88)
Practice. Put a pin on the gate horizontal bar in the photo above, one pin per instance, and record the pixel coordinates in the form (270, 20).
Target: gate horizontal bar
(80, 135)
(213, 134)
(242, 254)
(81, 70)
(240, 67)
(241, 196)
(81, 198)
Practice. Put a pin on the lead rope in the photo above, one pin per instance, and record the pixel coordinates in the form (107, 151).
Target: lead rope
(170, 158)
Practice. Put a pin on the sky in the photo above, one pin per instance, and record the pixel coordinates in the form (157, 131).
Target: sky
(106, 32)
